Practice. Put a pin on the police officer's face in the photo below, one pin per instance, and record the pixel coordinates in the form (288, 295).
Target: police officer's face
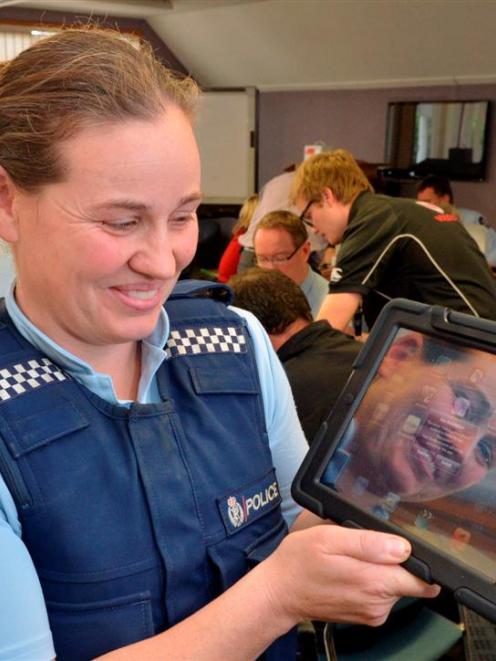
(430, 430)
(98, 253)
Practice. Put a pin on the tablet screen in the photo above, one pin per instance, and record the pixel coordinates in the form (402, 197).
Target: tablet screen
(420, 447)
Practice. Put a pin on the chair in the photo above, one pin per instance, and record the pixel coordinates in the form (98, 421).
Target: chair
(479, 234)
(471, 217)
(484, 235)
(413, 632)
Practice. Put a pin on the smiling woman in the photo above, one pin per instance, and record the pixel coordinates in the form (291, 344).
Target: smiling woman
(139, 417)
(114, 256)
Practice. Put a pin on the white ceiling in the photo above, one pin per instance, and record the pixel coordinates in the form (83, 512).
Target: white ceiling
(317, 44)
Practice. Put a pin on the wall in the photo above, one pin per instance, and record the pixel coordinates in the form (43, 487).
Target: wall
(356, 120)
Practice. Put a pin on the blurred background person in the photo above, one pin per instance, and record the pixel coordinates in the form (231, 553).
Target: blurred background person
(229, 261)
(438, 190)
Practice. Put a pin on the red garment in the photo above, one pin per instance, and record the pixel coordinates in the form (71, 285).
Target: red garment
(229, 261)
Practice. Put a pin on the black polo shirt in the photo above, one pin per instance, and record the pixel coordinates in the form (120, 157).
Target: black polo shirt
(318, 360)
(396, 247)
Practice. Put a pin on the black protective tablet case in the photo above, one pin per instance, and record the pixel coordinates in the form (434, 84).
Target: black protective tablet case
(410, 447)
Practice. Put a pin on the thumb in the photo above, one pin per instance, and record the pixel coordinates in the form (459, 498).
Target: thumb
(367, 545)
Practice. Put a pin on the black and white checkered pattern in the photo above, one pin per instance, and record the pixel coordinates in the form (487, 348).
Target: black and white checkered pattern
(210, 339)
(21, 378)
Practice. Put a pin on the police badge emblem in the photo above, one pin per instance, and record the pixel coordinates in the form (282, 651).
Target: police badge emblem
(235, 512)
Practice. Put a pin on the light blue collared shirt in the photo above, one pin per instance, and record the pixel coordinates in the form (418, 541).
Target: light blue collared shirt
(24, 628)
(152, 356)
(315, 288)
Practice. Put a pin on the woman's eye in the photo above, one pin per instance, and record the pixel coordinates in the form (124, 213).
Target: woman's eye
(120, 225)
(185, 217)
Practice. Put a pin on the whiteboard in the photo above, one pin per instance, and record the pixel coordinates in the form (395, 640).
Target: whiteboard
(226, 133)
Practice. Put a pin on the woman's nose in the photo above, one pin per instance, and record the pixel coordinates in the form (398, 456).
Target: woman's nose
(154, 256)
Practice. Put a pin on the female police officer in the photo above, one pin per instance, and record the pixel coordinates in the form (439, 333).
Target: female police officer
(137, 445)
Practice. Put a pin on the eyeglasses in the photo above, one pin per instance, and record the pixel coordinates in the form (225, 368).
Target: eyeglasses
(303, 214)
(277, 259)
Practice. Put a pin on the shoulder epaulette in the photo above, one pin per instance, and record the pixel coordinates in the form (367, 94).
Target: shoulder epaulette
(202, 289)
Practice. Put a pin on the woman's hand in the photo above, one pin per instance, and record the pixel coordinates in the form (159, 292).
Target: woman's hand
(341, 575)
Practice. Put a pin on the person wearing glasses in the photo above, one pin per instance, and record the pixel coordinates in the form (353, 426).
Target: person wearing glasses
(274, 196)
(281, 242)
(388, 247)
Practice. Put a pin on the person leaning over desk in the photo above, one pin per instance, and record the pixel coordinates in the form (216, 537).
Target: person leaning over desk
(146, 454)
(389, 247)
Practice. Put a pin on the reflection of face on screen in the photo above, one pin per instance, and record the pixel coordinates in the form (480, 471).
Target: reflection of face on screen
(421, 447)
(424, 428)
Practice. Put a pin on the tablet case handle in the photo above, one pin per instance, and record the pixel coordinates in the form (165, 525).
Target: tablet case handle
(458, 323)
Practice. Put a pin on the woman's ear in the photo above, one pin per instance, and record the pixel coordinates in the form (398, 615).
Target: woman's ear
(8, 192)
(406, 348)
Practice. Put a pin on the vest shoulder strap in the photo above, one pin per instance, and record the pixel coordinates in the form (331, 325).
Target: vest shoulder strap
(202, 289)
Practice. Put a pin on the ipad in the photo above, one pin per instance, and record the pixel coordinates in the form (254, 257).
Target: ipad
(410, 447)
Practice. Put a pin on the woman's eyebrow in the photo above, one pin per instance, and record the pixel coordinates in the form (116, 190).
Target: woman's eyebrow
(193, 197)
(134, 205)
(122, 203)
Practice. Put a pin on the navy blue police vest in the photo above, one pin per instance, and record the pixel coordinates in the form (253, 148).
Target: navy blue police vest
(135, 518)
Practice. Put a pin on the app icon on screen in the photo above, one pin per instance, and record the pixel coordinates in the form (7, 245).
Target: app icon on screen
(411, 424)
(422, 522)
(476, 376)
(360, 485)
(423, 519)
(460, 406)
(391, 501)
(380, 412)
(380, 512)
(460, 539)
(428, 393)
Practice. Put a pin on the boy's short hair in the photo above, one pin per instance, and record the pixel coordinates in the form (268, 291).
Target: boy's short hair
(287, 221)
(336, 170)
